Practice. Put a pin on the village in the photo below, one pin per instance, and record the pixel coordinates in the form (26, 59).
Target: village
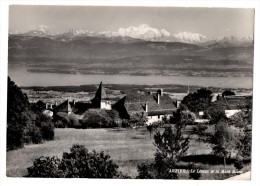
(207, 130)
(155, 105)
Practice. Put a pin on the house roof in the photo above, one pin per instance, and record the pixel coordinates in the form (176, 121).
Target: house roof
(237, 102)
(138, 101)
(66, 106)
(234, 102)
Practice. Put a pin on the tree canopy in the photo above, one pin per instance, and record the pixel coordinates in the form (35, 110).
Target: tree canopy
(25, 124)
(171, 146)
(198, 101)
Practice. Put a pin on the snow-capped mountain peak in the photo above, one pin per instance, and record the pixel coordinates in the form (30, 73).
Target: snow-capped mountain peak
(188, 37)
(142, 32)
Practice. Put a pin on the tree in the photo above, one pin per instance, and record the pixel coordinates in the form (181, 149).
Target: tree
(224, 140)
(17, 115)
(78, 163)
(152, 127)
(25, 123)
(216, 113)
(199, 100)
(228, 93)
(200, 131)
(183, 116)
(171, 146)
(138, 120)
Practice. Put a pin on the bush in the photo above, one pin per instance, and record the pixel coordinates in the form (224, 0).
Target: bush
(99, 119)
(36, 135)
(47, 130)
(61, 121)
(45, 167)
(73, 121)
(32, 134)
(238, 164)
(59, 124)
(14, 137)
(78, 163)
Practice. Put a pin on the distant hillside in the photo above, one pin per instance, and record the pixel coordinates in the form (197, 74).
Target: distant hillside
(85, 54)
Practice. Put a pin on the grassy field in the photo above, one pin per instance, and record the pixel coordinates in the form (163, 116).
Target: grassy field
(127, 147)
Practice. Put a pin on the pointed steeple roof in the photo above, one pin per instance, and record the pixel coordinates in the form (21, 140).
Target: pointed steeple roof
(100, 93)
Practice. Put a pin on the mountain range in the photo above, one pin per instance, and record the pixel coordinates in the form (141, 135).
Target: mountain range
(143, 32)
(136, 50)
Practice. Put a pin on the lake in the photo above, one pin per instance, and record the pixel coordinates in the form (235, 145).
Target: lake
(24, 78)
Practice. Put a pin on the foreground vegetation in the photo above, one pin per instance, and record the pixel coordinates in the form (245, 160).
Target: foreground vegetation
(25, 123)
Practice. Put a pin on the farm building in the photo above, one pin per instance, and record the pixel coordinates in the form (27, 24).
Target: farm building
(155, 106)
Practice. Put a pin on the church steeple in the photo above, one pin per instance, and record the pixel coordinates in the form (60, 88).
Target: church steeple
(100, 95)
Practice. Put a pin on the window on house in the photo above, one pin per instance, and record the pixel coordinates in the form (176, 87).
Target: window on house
(158, 116)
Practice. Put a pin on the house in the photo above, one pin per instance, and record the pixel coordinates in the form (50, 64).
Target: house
(155, 106)
(234, 103)
(100, 101)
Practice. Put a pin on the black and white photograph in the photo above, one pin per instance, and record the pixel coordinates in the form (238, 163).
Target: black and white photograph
(130, 92)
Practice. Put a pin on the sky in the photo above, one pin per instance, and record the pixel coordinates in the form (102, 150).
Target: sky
(211, 22)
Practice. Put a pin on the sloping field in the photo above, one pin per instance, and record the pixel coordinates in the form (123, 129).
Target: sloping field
(127, 147)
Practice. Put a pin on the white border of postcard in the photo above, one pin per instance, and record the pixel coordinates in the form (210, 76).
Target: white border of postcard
(255, 178)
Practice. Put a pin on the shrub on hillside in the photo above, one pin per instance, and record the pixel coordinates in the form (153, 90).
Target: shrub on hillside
(78, 163)
(73, 121)
(59, 124)
(47, 130)
(61, 121)
(14, 137)
(98, 119)
(36, 135)
(45, 167)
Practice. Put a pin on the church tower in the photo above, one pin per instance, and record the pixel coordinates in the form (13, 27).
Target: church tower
(100, 100)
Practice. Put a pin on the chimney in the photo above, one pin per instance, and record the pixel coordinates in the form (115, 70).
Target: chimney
(47, 105)
(56, 103)
(158, 98)
(161, 92)
(50, 106)
(74, 102)
(146, 107)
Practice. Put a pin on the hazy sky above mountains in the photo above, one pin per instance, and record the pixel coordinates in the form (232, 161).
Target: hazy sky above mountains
(212, 22)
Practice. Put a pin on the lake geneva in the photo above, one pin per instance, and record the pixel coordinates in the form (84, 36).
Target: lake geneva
(24, 78)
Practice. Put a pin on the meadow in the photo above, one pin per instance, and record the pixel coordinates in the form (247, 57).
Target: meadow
(127, 147)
